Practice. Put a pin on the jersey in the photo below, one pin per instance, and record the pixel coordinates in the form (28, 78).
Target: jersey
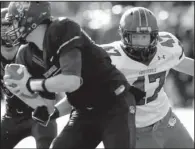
(149, 78)
(14, 106)
(100, 78)
(32, 57)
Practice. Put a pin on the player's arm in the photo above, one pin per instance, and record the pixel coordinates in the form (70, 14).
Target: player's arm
(34, 100)
(69, 56)
(62, 108)
(186, 66)
(67, 45)
(69, 80)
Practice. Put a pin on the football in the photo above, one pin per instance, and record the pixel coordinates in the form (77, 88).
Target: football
(15, 71)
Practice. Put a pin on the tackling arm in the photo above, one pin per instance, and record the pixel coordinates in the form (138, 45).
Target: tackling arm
(186, 66)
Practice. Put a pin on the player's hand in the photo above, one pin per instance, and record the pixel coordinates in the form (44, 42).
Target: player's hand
(15, 85)
(41, 115)
(137, 93)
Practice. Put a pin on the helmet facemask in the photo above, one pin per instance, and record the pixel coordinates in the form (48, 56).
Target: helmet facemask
(8, 37)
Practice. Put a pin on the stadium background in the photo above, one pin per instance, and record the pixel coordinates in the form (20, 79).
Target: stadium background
(100, 20)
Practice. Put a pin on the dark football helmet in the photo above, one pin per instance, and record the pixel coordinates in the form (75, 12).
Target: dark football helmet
(25, 17)
(139, 20)
(5, 27)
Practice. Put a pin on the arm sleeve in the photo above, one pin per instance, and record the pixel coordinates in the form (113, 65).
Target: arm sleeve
(179, 54)
(70, 62)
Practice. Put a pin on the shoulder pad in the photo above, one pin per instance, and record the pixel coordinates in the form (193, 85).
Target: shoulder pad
(62, 33)
(171, 44)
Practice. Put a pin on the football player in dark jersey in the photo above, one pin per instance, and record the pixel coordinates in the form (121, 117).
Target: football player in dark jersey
(17, 122)
(99, 93)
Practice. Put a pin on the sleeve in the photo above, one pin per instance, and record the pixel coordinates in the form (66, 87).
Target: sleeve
(70, 62)
(179, 54)
(62, 34)
(173, 46)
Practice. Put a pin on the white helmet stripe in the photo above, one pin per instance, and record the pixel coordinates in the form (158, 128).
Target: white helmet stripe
(140, 21)
(146, 17)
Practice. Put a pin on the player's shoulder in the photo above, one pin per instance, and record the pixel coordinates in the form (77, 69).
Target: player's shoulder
(169, 43)
(111, 45)
(63, 25)
(164, 34)
(62, 30)
(61, 21)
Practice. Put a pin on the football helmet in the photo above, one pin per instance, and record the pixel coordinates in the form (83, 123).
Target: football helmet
(26, 16)
(5, 27)
(139, 20)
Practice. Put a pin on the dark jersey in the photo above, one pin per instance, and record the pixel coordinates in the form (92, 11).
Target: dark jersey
(14, 105)
(30, 56)
(100, 77)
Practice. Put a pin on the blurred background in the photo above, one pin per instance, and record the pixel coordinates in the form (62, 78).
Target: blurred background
(101, 19)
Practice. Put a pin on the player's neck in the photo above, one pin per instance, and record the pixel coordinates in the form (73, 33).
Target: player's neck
(37, 36)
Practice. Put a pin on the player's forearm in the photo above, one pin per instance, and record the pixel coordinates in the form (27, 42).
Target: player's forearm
(186, 66)
(63, 107)
(34, 103)
(59, 83)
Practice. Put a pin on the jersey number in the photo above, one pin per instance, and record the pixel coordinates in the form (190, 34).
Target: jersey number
(140, 83)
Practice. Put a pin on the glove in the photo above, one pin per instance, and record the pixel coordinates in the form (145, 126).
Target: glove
(138, 94)
(41, 115)
(15, 79)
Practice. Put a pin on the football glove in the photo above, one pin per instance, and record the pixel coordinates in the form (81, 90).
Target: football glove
(42, 116)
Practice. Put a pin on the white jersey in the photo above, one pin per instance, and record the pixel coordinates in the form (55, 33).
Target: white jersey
(149, 78)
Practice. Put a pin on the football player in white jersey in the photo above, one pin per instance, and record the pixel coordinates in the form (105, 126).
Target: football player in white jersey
(145, 56)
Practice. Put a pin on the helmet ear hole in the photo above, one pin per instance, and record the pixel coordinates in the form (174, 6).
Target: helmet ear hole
(34, 25)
